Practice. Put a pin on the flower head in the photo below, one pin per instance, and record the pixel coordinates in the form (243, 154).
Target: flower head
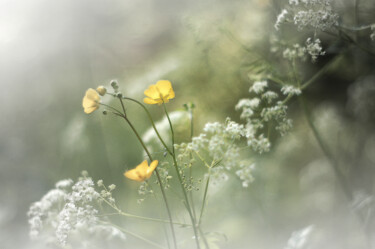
(142, 172)
(159, 93)
(91, 101)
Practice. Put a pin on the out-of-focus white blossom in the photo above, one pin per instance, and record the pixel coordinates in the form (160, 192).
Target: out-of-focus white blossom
(299, 239)
(68, 212)
(281, 18)
(290, 90)
(258, 87)
(317, 14)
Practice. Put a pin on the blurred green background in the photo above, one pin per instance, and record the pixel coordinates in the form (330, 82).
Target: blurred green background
(52, 51)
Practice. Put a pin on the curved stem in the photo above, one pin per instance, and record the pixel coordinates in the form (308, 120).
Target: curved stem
(152, 123)
(157, 175)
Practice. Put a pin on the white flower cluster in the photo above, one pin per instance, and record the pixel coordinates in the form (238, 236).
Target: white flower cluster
(317, 14)
(314, 48)
(290, 90)
(245, 173)
(218, 143)
(69, 212)
(295, 52)
(281, 18)
(263, 109)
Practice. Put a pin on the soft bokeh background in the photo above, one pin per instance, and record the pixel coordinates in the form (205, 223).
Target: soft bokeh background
(52, 51)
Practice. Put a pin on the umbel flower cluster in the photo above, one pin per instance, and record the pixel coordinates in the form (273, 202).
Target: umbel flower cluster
(68, 215)
(307, 15)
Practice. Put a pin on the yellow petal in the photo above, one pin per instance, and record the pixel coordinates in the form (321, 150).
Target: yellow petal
(133, 175)
(152, 168)
(152, 92)
(150, 101)
(171, 94)
(93, 95)
(87, 102)
(164, 87)
(142, 168)
(89, 110)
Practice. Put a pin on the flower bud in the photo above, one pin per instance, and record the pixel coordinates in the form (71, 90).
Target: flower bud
(101, 90)
(114, 84)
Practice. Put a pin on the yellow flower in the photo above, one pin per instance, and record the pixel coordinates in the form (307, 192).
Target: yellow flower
(91, 101)
(142, 172)
(101, 90)
(161, 92)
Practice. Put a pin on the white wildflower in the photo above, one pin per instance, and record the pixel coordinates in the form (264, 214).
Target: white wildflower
(258, 87)
(314, 48)
(290, 90)
(295, 52)
(319, 19)
(269, 96)
(64, 184)
(245, 173)
(316, 14)
(67, 212)
(281, 18)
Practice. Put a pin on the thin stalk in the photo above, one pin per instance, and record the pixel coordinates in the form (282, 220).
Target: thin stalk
(152, 123)
(170, 125)
(204, 198)
(116, 111)
(134, 235)
(322, 71)
(157, 175)
(180, 180)
(204, 238)
(191, 167)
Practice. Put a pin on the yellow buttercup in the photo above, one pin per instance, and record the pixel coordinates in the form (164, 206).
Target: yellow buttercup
(91, 101)
(142, 172)
(159, 93)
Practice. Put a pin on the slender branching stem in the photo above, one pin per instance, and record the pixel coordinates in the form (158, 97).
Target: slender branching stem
(156, 172)
(188, 207)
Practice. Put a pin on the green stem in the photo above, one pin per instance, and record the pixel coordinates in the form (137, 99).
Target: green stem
(157, 175)
(152, 123)
(204, 238)
(322, 71)
(204, 198)
(170, 125)
(191, 167)
(180, 180)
